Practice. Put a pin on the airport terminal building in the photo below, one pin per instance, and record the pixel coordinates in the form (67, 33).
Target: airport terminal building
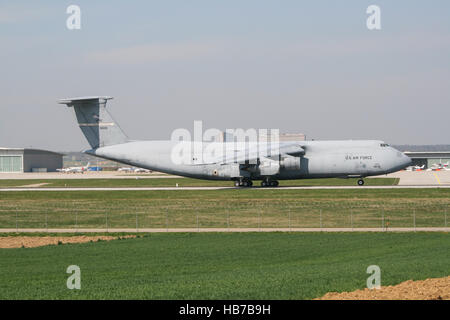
(17, 160)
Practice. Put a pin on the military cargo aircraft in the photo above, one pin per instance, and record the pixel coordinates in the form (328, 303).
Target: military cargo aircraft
(242, 164)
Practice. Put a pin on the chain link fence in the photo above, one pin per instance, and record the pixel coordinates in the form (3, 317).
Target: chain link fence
(173, 214)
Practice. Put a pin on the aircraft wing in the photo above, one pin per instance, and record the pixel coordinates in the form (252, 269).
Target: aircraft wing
(252, 154)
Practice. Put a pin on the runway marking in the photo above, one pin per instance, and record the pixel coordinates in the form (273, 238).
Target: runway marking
(437, 178)
(446, 186)
(169, 230)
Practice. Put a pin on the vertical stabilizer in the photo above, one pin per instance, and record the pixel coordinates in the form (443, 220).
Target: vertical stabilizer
(95, 122)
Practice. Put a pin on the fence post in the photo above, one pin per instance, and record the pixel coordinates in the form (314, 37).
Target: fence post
(137, 222)
(320, 219)
(445, 218)
(260, 219)
(167, 219)
(148, 215)
(351, 218)
(289, 219)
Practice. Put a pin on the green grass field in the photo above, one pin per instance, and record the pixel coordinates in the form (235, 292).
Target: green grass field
(225, 208)
(222, 265)
(182, 182)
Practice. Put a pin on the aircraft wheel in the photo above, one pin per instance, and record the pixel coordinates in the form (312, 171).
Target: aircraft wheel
(245, 183)
(263, 183)
(250, 183)
(360, 182)
(237, 183)
(274, 183)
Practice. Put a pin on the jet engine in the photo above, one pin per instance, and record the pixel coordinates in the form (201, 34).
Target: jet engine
(290, 163)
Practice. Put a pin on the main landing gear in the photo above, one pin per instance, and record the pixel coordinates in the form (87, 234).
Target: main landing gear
(269, 183)
(246, 182)
(243, 183)
(360, 182)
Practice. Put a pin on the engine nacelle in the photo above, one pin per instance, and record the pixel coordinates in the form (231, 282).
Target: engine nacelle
(290, 163)
(269, 167)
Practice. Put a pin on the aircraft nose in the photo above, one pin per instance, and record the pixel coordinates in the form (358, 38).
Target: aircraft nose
(406, 161)
(401, 160)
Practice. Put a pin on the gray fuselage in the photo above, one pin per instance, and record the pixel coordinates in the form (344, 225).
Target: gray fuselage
(321, 159)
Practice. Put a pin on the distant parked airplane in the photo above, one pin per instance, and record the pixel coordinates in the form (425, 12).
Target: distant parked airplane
(142, 170)
(415, 168)
(74, 169)
(436, 167)
(135, 170)
(242, 164)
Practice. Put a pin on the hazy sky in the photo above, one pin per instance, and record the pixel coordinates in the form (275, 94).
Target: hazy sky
(310, 67)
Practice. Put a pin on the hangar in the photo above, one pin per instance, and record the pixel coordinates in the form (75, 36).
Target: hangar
(29, 160)
(429, 158)
(427, 155)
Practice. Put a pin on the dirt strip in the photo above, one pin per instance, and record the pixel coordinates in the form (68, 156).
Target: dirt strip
(37, 185)
(429, 289)
(32, 241)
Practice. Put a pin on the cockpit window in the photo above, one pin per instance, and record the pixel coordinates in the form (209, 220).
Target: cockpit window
(384, 145)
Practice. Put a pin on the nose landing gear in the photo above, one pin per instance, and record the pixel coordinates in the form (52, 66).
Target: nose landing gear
(360, 182)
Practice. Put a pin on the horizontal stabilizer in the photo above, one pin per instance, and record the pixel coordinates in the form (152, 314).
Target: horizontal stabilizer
(71, 101)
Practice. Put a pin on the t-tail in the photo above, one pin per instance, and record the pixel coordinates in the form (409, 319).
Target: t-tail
(95, 122)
